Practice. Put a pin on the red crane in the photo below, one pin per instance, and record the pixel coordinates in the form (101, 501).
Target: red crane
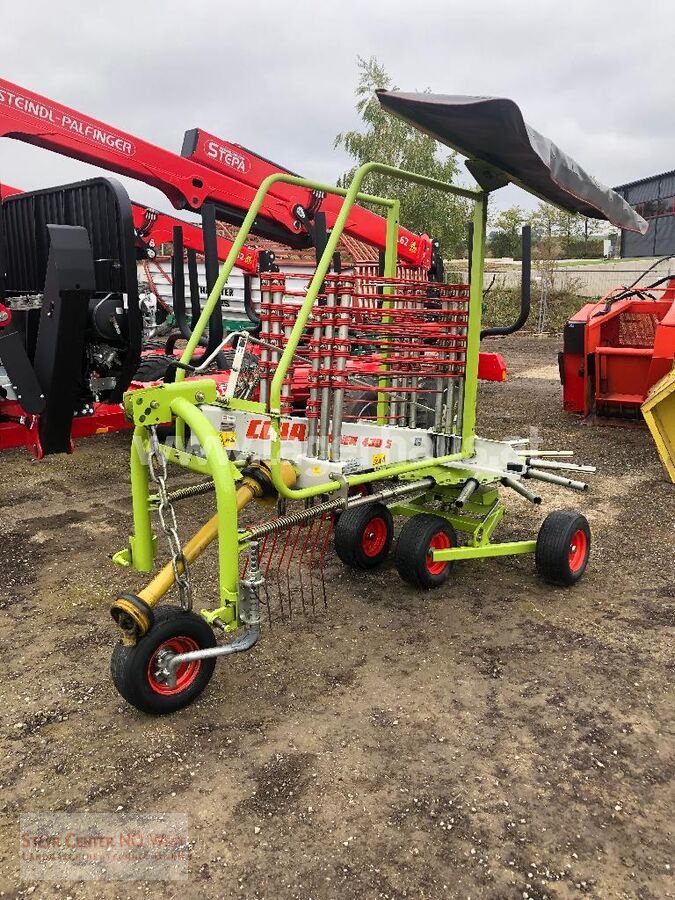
(187, 182)
(214, 177)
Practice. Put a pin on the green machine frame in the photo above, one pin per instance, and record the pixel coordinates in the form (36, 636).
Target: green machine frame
(180, 402)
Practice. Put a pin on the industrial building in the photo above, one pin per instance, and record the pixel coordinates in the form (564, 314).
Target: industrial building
(654, 200)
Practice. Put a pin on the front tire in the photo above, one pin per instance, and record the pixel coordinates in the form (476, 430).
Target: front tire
(363, 535)
(420, 535)
(135, 670)
(563, 547)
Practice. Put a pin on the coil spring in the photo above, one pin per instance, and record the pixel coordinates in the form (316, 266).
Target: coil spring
(193, 490)
(385, 495)
(291, 519)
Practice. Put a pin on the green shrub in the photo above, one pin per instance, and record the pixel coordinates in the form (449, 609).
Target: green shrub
(502, 305)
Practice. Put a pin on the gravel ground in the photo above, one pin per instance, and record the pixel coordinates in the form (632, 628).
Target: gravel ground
(496, 738)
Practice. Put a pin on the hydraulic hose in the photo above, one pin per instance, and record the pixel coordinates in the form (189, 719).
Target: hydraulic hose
(525, 299)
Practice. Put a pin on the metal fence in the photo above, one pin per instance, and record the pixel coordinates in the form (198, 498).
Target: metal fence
(548, 282)
(586, 282)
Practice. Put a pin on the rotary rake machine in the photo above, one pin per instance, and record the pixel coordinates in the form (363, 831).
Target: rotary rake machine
(388, 431)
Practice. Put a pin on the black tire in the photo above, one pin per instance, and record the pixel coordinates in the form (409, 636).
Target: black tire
(130, 667)
(154, 344)
(563, 547)
(363, 535)
(419, 534)
(362, 490)
(153, 367)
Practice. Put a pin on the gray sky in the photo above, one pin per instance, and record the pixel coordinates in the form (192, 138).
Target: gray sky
(279, 76)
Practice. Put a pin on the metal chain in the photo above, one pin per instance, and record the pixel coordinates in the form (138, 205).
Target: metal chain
(167, 518)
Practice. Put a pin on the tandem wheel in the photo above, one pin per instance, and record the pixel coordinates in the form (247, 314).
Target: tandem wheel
(419, 536)
(563, 547)
(363, 535)
(136, 671)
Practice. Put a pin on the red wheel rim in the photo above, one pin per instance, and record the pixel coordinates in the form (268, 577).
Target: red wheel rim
(374, 536)
(439, 541)
(186, 673)
(578, 550)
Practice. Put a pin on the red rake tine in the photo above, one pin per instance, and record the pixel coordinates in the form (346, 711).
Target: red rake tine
(320, 547)
(288, 567)
(278, 578)
(312, 557)
(330, 522)
(261, 556)
(306, 548)
(303, 550)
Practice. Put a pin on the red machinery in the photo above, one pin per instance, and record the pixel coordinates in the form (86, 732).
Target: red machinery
(251, 169)
(213, 176)
(154, 228)
(187, 183)
(615, 350)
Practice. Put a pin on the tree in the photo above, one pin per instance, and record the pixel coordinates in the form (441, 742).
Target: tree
(388, 139)
(505, 238)
(558, 233)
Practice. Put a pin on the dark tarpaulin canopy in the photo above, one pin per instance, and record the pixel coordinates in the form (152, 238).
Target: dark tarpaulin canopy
(492, 130)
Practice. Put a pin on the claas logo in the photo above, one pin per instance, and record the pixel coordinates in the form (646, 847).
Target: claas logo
(259, 430)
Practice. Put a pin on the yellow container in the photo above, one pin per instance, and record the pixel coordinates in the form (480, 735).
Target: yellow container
(659, 414)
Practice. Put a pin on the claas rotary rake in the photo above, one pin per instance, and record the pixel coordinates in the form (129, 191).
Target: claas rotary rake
(388, 431)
